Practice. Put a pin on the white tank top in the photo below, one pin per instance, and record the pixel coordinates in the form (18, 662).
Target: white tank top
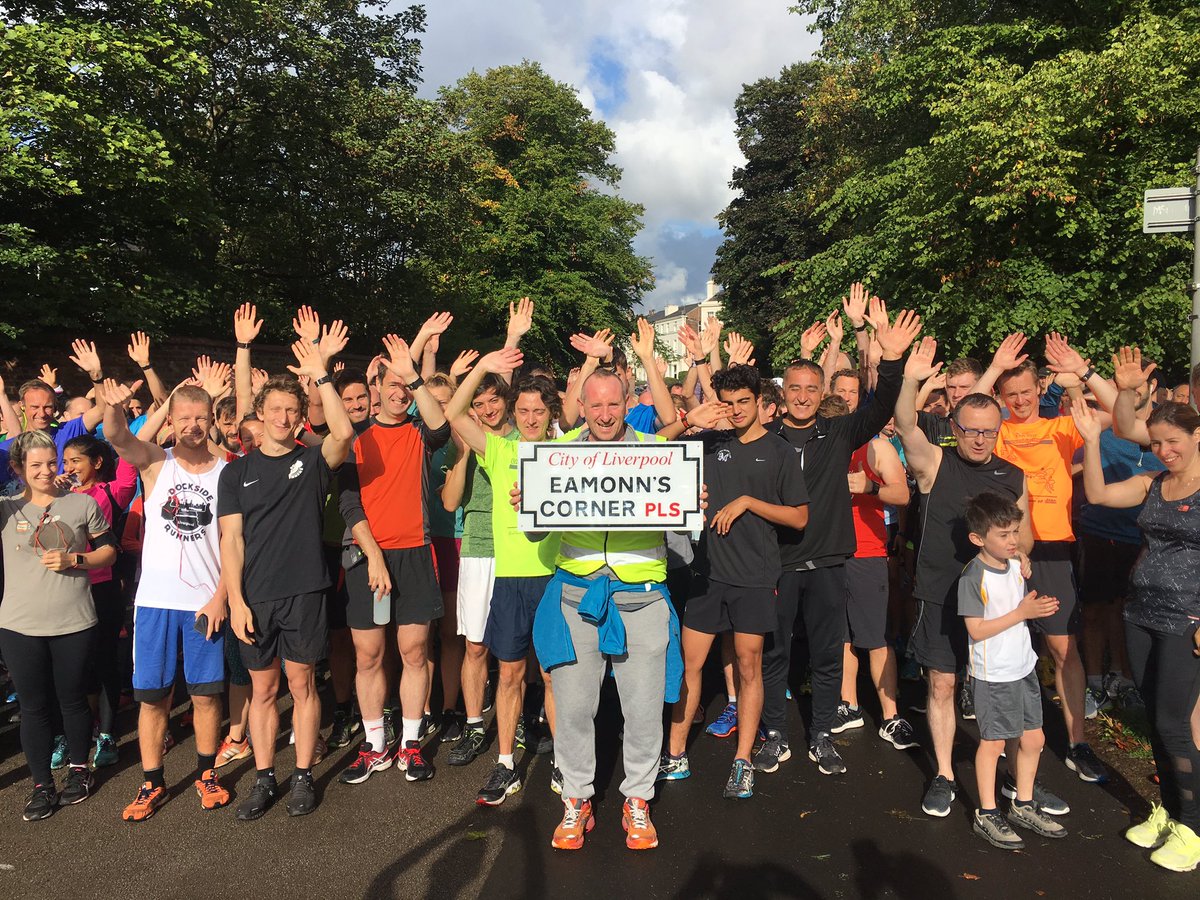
(181, 552)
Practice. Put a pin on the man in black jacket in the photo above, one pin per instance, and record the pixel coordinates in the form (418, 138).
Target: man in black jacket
(813, 580)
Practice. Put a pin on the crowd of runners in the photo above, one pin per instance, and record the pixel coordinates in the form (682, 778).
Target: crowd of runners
(980, 527)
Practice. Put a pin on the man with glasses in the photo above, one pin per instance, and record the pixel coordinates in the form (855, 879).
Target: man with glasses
(946, 478)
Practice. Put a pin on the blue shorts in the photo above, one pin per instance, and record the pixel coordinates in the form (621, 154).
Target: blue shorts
(157, 637)
(509, 630)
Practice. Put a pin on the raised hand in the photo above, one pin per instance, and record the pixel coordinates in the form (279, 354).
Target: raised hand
(333, 340)
(520, 318)
(246, 324)
(690, 341)
(661, 365)
(501, 362)
(833, 324)
(373, 368)
(739, 350)
(595, 346)
(855, 306)
(643, 342)
(920, 364)
(139, 349)
(49, 375)
(1061, 356)
(1086, 422)
(811, 339)
(1008, 355)
(84, 355)
(895, 339)
(436, 324)
(1127, 369)
(338, 368)
(213, 377)
(399, 359)
(307, 324)
(707, 415)
(710, 338)
(258, 377)
(113, 392)
(877, 313)
(463, 364)
(308, 360)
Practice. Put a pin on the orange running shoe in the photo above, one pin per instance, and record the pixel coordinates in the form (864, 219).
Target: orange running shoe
(231, 751)
(640, 833)
(577, 821)
(149, 798)
(212, 795)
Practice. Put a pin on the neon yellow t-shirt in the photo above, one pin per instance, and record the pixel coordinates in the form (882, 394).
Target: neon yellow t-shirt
(516, 555)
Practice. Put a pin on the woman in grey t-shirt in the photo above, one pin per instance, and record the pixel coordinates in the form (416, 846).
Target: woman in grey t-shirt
(47, 618)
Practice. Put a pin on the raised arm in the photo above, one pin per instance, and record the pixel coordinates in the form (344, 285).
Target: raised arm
(138, 453)
(829, 361)
(1130, 379)
(854, 308)
(1119, 494)
(458, 410)
(9, 420)
(400, 363)
(139, 351)
(246, 326)
(643, 346)
(336, 446)
(922, 456)
(1062, 357)
(435, 324)
(1007, 356)
(594, 349)
(84, 355)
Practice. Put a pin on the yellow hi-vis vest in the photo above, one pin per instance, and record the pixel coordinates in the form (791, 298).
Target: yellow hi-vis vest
(635, 556)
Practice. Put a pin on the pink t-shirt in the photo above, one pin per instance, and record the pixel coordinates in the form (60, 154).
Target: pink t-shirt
(123, 487)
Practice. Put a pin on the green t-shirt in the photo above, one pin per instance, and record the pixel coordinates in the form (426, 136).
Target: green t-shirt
(516, 555)
(477, 510)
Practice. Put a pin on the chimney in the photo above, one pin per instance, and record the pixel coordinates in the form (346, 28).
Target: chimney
(712, 289)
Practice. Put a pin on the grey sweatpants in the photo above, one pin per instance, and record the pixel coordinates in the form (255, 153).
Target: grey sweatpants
(641, 679)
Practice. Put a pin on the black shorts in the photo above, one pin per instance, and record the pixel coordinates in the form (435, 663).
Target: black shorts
(336, 597)
(1054, 576)
(867, 602)
(291, 628)
(509, 630)
(1104, 568)
(939, 637)
(720, 607)
(416, 594)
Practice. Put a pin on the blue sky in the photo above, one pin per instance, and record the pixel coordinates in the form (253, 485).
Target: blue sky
(662, 73)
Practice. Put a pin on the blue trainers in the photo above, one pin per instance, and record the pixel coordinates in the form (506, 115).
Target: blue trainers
(106, 751)
(726, 722)
(58, 756)
(673, 768)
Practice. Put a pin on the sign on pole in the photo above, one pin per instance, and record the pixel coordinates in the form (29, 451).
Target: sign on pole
(1168, 209)
(614, 486)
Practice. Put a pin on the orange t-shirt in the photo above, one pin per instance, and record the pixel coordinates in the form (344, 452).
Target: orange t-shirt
(1044, 449)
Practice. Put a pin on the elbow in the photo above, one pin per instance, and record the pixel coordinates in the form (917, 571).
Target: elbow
(800, 521)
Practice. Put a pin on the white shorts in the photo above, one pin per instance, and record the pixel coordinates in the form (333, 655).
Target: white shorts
(476, 578)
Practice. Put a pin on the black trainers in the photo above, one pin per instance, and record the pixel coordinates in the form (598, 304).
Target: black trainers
(303, 798)
(42, 803)
(847, 717)
(825, 755)
(453, 724)
(367, 763)
(898, 733)
(534, 739)
(939, 797)
(1083, 762)
(345, 727)
(966, 700)
(771, 752)
(996, 831)
(429, 727)
(556, 782)
(262, 797)
(1042, 798)
(416, 767)
(77, 787)
(502, 782)
(489, 696)
(390, 735)
(472, 743)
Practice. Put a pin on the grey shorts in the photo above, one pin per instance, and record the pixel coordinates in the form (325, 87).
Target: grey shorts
(1054, 576)
(1007, 709)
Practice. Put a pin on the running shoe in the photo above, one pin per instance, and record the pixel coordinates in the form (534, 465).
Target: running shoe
(415, 766)
(59, 753)
(771, 752)
(231, 751)
(726, 723)
(740, 785)
(471, 745)
(673, 768)
(168, 741)
(897, 732)
(303, 797)
(1033, 819)
(698, 716)
(577, 821)
(345, 726)
(489, 696)
(1094, 700)
(938, 798)
(825, 755)
(42, 803)
(502, 782)
(640, 833)
(534, 739)
(993, 828)
(149, 798)
(77, 787)
(453, 724)
(1083, 762)
(1153, 832)
(367, 763)
(1042, 798)
(847, 717)
(966, 700)
(262, 797)
(1181, 852)
(1113, 684)
(429, 727)
(106, 751)
(211, 792)
(1129, 698)
(556, 781)
(389, 728)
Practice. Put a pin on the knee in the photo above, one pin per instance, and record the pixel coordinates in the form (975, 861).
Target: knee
(415, 657)
(1033, 741)
(749, 668)
(941, 687)
(207, 702)
(265, 694)
(368, 659)
(302, 683)
(476, 653)
(512, 675)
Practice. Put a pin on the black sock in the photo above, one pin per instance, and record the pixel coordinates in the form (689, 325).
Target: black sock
(345, 708)
(205, 761)
(1024, 804)
(154, 776)
(304, 773)
(267, 775)
(989, 812)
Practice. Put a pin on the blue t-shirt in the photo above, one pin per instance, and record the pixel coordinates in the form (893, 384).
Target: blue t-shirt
(1120, 460)
(641, 418)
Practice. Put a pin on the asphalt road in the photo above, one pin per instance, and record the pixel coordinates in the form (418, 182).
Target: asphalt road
(802, 834)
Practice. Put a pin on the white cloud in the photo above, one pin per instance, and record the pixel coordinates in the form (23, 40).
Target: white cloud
(684, 62)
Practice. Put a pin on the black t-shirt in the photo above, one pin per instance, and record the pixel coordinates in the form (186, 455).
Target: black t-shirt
(937, 429)
(945, 546)
(281, 500)
(766, 469)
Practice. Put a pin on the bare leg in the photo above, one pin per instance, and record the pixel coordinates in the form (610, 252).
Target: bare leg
(696, 645)
(986, 758)
(1028, 755)
(510, 694)
(411, 640)
(206, 720)
(341, 665)
(453, 653)
(370, 679)
(1070, 681)
(849, 675)
(152, 728)
(883, 674)
(306, 711)
(474, 678)
(239, 711)
(264, 715)
(748, 648)
(939, 713)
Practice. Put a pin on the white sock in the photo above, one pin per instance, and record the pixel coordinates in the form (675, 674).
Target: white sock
(732, 698)
(474, 721)
(506, 760)
(411, 730)
(374, 734)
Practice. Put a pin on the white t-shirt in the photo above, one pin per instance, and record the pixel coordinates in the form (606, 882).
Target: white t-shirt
(987, 593)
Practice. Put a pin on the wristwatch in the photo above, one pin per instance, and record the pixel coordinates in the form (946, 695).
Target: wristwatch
(872, 487)
(76, 560)
(324, 379)
(413, 385)
(862, 327)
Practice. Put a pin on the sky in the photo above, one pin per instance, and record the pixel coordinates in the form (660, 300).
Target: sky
(663, 74)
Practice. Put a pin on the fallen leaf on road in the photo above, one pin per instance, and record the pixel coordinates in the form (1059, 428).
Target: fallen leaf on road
(821, 856)
(476, 835)
(807, 812)
(900, 814)
(969, 876)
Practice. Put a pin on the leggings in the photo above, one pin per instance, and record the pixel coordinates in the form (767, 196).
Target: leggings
(105, 669)
(41, 667)
(1167, 674)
